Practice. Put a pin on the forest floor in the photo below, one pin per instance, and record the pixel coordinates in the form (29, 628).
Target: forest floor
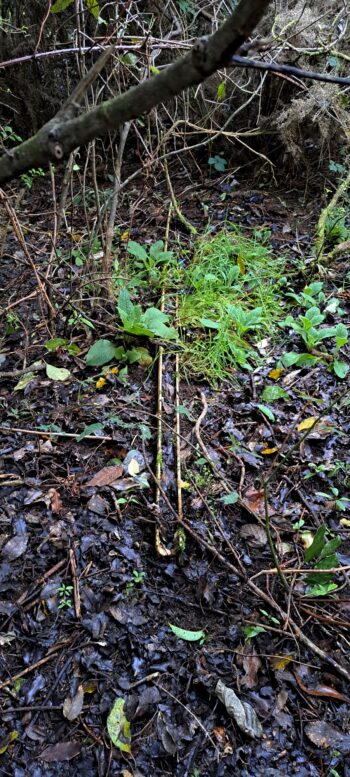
(145, 627)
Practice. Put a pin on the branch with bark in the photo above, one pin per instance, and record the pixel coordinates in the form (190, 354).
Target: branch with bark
(62, 134)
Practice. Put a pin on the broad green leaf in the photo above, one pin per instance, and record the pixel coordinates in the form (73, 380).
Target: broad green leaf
(101, 352)
(209, 324)
(155, 320)
(188, 636)
(317, 544)
(221, 91)
(60, 5)
(135, 249)
(271, 393)
(24, 380)
(55, 343)
(252, 631)
(57, 373)
(330, 547)
(93, 7)
(341, 335)
(230, 499)
(266, 411)
(140, 355)
(322, 589)
(91, 429)
(125, 306)
(340, 368)
(183, 410)
(118, 726)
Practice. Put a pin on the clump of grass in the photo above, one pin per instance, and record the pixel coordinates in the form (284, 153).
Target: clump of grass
(230, 301)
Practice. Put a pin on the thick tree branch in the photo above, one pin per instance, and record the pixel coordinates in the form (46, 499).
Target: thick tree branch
(60, 136)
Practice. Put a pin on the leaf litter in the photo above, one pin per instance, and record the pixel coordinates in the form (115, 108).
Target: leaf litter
(88, 652)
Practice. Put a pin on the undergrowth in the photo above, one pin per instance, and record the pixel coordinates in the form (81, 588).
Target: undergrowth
(229, 302)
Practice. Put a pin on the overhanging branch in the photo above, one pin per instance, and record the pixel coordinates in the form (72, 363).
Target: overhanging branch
(60, 136)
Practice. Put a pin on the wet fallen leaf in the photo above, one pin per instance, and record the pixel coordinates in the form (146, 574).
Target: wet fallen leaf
(72, 707)
(269, 451)
(61, 751)
(5, 639)
(275, 374)
(6, 741)
(254, 534)
(15, 547)
(57, 373)
(118, 726)
(251, 666)
(280, 662)
(188, 636)
(324, 735)
(106, 476)
(242, 712)
(24, 380)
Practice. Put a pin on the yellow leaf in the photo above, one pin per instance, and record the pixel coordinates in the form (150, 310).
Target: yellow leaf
(100, 382)
(6, 741)
(133, 467)
(241, 264)
(308, 423)
(268, 451)
(184, 484)
(307, 539)
(345, 522)
(125, 235)
(275, 374)
(280, 662)
(113, 371)
(154, 70)
(76, 237)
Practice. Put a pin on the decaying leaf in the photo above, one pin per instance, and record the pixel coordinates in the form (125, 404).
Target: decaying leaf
(72, 707)
(106, 476)
(5, 639)
(118, 726)
(242, 712)
(15, 547)
(55, 500)
(254, 533)
(324, 735)
(6, 741)
(61, 751)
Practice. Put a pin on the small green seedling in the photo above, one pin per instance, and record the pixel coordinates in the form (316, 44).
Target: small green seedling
(65, 596)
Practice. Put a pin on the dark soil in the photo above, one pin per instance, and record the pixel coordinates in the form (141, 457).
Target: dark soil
(68, 654)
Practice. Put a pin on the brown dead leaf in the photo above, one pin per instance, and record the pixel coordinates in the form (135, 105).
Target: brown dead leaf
(55, 500)
(255, 500)
(324, 735)
(251, 666)
(61, 751)
(106, 476)
(254, 533)
(73, 707)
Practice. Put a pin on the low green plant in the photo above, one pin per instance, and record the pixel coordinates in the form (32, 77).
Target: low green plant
(336, 230)
(342, 503)
(218, 162)
(13, 323)
(65, 596)
(151, 263)
(308, 327)
(29, 177)
(149, 323)
(322, 553)
(313, 296)
(231, 299)
(8, 134)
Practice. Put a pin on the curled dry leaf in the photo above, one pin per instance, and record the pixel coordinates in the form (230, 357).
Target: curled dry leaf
(55, 500)
(242, 712)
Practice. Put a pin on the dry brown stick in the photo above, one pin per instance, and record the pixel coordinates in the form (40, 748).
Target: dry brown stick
(46, 433)
(256, 590)
(41, 580)
(76, 592)
(31, 668)
(19, 234)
